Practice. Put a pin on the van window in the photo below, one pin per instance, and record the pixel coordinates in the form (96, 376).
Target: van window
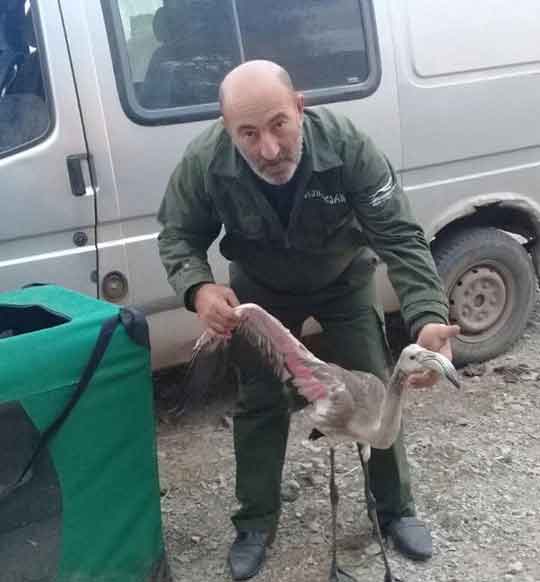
(171, 55)
(24, 113)
(320, 43)
(178, 52)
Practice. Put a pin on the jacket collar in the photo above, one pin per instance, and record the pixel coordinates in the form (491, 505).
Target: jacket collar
(322, 153)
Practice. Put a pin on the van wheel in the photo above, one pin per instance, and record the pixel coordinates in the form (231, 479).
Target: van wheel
(491, 285)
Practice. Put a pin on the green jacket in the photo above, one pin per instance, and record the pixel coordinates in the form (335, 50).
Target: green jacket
(347, 201)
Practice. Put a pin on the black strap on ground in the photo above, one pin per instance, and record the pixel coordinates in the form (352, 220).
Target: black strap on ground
(100, 347)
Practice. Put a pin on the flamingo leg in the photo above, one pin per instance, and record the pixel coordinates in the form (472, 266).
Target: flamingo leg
(372, 511)
(336, 573)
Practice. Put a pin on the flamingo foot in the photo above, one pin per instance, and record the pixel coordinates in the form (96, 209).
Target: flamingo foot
(339, 575)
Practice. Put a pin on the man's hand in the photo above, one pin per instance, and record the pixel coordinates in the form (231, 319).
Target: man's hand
(214, 305)
(435, 337)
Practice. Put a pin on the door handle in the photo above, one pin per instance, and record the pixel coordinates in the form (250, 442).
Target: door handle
(76, 174)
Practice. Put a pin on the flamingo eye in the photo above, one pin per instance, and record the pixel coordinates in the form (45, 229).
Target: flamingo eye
(412, 357)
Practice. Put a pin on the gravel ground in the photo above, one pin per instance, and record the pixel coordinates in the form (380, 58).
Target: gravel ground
(475, 463)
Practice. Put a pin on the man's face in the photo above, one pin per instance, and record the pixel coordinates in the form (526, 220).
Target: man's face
(265, 124)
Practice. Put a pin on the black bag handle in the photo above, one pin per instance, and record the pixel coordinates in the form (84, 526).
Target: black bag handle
(105, 334)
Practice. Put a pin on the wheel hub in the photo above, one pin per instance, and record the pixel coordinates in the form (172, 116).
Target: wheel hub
(478, 299)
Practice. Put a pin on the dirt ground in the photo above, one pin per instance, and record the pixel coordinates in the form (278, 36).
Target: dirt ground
(475, 463)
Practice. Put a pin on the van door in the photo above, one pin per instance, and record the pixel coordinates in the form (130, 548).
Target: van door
(47, 196)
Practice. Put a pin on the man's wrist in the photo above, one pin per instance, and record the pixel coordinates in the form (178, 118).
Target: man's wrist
(418, 324)
(189, 296)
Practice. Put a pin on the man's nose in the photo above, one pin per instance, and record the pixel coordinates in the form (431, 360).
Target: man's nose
(269, 147)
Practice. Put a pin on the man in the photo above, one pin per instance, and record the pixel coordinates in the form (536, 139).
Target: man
(304, 196)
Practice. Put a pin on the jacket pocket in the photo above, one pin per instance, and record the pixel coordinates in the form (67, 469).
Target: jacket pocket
(318, 224)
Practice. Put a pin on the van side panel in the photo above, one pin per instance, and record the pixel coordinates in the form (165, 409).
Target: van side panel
(469, 90)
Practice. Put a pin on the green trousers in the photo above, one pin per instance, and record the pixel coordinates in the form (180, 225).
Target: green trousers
(354, 338)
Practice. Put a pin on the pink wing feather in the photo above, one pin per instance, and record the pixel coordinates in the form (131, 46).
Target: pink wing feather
(288, 357)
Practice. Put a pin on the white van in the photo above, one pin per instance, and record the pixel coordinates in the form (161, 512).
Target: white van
(98, 100)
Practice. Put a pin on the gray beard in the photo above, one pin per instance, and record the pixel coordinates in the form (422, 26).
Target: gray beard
(267, 179)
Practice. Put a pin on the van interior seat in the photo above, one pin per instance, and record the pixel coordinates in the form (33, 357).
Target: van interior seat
(30, 79)
(179, 72)
(158, 83)
(24, 114)
(20, 67)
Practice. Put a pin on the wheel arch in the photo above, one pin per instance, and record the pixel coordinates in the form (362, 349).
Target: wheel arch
(510, 212)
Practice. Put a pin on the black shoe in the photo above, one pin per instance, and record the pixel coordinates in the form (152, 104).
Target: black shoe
(411, 537)
(248, 552)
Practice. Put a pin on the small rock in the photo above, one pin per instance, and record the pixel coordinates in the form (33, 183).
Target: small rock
(473, 370)
(312, 447)
(372, 550)
(226, 421)
(515, 568)
(319, 464)
(529, 376)
(305, 474)
(221, 481)
(196, 539)
(290, 490)
(512, 374)
(307, 479)
(164, 485)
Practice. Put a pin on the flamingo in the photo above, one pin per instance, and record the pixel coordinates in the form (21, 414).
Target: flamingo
(344, 406)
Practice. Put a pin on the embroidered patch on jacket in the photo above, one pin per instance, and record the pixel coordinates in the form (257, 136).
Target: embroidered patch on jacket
(381, 195)
(338, 198)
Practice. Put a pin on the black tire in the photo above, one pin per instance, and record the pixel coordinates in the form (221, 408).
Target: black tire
(491, 284)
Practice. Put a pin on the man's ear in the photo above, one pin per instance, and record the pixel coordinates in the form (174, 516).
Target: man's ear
(300, 103)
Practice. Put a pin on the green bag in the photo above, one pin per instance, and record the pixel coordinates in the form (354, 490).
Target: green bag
(79, 490)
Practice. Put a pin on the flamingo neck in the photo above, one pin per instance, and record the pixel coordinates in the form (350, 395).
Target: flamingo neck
(391, 416)
(397, 381)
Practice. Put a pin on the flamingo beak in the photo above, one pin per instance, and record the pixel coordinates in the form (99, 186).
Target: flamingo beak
(442, 365)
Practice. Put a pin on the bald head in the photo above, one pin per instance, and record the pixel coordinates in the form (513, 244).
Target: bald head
(263, 115)
(253, 74)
